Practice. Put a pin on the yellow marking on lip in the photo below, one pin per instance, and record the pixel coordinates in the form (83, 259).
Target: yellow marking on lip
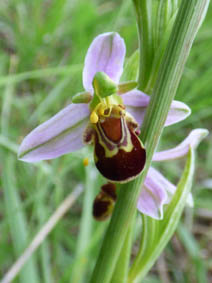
(103, 110)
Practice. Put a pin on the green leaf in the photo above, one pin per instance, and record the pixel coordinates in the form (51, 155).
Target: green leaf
(130, 72)
(156, 234)
(155, 22)
(40, 73)
(17, 220)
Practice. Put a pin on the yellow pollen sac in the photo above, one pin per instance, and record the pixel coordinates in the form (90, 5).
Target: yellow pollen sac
(102, 110)
(85, 161)
(94, 117)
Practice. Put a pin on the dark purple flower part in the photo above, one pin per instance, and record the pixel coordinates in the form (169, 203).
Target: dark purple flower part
(104, 202)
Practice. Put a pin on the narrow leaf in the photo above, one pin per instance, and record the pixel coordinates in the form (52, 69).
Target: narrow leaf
(163, 230)
(17, 220)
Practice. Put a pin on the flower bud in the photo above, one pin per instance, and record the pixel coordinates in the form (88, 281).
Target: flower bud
(104, 202)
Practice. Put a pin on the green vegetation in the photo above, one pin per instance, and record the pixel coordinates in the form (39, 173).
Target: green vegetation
(42, 49)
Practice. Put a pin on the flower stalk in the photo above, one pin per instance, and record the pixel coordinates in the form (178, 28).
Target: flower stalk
(190, 15)
(155, 21)
(122, 267)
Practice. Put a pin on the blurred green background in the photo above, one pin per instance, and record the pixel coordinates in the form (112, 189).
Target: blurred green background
(42, 49)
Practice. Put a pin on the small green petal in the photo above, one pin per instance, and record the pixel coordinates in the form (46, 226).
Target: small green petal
(82, 97)
(126, 86)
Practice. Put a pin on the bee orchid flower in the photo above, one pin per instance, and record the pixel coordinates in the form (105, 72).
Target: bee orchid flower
(108, 114)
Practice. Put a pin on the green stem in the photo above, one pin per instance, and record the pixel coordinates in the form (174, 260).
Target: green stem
(185, 28)
(122, 267)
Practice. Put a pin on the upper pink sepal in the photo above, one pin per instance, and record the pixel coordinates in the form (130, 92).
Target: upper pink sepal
(105, 54)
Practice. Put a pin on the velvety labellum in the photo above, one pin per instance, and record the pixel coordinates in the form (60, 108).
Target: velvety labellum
(119, 154)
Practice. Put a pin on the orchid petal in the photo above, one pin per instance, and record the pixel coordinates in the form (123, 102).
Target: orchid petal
(105, 54)
(193, 140)
(136, 103)
(59, 135)
(152, 197)
(178, 112)
(167, 185)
